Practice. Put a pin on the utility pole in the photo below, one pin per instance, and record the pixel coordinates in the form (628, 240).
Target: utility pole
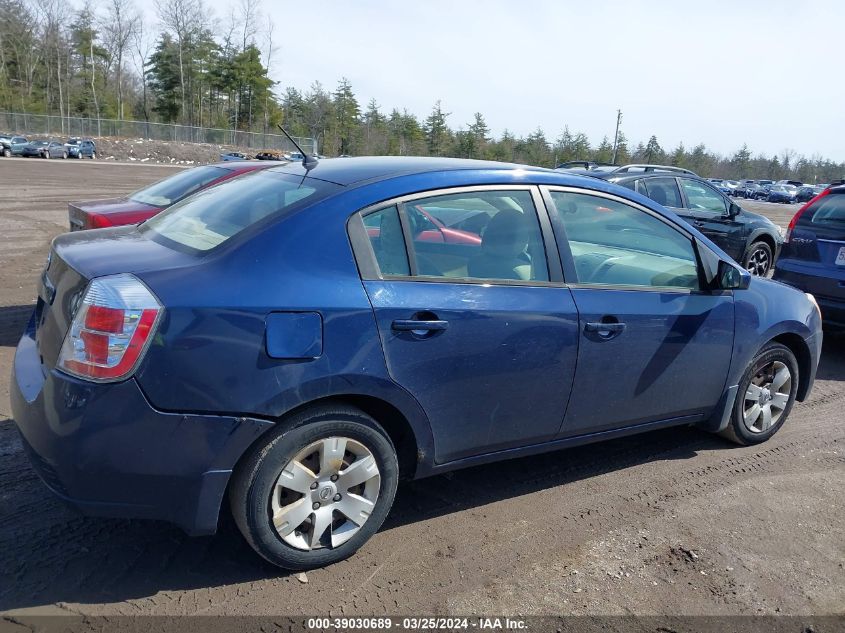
(616, 136)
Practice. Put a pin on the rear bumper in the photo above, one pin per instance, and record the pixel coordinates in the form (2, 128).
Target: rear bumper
(799, 276)
(105, 450)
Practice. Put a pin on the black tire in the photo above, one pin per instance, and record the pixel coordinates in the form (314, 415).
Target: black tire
(254, 479)
(737, 431)
(7, 153)
(93, 155)
(758, 259)
(64, 155)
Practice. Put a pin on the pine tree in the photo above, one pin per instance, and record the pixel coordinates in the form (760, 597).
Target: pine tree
(437, 133)
(347, 114)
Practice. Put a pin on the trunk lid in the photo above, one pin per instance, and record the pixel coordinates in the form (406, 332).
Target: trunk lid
(75, 259)
(92, 214)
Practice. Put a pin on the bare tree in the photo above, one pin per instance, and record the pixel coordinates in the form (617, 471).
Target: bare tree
(119, 26)
(183, 18)
(54, 17)
(249, 20)
(268, 38)
(142, 47)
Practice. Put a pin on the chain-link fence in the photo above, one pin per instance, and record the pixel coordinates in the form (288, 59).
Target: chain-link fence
(50, 125)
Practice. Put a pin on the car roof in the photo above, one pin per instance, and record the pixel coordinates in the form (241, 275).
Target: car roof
(349, 171)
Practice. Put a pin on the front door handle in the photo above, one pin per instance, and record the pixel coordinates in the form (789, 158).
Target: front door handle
(605, 331)
(412, 325)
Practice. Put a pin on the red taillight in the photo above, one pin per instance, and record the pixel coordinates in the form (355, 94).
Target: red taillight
(105, 319)
(110, 330)
(801, 211)
(96, 221)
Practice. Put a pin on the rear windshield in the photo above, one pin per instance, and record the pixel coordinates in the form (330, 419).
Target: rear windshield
(827, 211)
(213, 216)
(166, 192)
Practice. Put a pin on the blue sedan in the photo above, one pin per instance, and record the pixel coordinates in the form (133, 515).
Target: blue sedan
(297, 340)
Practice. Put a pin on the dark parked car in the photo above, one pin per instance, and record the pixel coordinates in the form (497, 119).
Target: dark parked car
(8, 143)
(760, 191)
(813, 256)
(743, 188)
(782, 193)
(749, 238)
(44, 149)
(586, 165)
(806, 193)
(255, 343)
(81, 148)
(228, 156)
(145, 203)
(270, 154)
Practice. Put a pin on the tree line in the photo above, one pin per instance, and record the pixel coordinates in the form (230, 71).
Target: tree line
(104, 61)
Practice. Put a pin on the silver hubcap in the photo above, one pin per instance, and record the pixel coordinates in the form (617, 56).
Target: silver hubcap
(767, 397)
(325, 494)
(758, 262)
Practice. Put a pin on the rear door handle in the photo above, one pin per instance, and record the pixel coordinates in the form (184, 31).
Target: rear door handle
(412, 325)
(605, 331)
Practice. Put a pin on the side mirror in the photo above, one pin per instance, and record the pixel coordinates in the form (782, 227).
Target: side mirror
(734, 210)
(732, 277)
(721, 274)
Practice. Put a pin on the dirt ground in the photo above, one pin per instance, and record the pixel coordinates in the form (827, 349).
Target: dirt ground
(671, 522)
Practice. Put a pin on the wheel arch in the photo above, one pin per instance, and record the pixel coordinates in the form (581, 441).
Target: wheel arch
(761, 235)
(798, 346)
(413, 445)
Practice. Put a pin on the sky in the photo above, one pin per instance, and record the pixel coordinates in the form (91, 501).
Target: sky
(763, 72)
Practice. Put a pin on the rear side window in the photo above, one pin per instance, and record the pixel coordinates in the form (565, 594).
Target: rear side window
(827, 211)
(213, 216)
(663, 191)
(385, 233)
(484, 235)
(166, 192)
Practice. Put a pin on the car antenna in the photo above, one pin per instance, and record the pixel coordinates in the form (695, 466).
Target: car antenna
(308, 161)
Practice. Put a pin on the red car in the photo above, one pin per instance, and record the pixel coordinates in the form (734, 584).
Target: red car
(147, 202)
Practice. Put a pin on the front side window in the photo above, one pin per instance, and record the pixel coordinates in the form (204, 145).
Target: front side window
(166, 192)
(484, 235)
(213, 216)
(663, 191)
(701, 197)
(615, 244)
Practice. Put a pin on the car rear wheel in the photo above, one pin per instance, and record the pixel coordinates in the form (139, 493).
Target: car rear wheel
(758, 259)
(64, 155)
(316, 489)
(765, 396)
(93, 155)
(7, 153)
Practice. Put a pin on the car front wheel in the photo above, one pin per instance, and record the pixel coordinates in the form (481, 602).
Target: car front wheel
(316, 489)
(765, 396)
(758, 259)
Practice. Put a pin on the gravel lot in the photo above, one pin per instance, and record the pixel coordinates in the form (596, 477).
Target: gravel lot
(675, 521)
